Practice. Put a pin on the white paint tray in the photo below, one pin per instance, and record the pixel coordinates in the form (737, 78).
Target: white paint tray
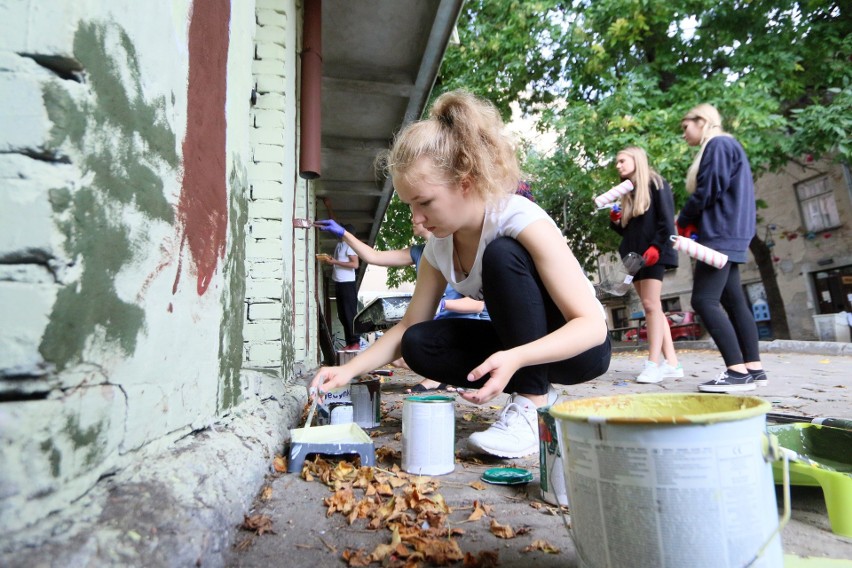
(334, 439)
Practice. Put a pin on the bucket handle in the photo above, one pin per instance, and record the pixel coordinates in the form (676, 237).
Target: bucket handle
(773, 451)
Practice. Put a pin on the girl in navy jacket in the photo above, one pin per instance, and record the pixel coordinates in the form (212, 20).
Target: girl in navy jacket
(721, 213)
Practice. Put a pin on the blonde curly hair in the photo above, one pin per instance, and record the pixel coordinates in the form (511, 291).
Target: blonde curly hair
(463, 137)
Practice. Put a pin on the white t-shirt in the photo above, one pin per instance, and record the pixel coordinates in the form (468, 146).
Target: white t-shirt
(342, 252)
(504, 219)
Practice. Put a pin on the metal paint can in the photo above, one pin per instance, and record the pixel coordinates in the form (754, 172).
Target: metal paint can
(428, 435)
(345, 356)
(366, 395)
(648, 473)
(332, 397)
(551, 473)
(340, 413)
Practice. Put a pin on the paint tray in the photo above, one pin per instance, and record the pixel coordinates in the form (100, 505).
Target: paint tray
(334, 439)
(824, 459)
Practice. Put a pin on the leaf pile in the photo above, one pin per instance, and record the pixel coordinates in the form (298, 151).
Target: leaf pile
(408, 506)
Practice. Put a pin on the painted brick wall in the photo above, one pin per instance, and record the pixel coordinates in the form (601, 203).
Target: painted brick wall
(117, 285)
(280, 280)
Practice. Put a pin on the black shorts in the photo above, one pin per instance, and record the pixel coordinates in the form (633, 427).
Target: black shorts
(651, 272)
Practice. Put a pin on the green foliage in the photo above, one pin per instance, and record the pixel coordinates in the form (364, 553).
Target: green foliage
(397, 233)
(604, 74)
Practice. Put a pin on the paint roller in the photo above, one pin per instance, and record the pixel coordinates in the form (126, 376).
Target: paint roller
(603, 200)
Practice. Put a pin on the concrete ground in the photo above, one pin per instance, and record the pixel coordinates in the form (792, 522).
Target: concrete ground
(805, 384)
(184, 505)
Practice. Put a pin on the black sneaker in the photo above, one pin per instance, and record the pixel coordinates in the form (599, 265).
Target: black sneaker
(759, 377)
(728, 381)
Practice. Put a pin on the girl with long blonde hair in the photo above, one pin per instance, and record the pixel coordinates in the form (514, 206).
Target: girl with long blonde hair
(721, 214)
(645, 222)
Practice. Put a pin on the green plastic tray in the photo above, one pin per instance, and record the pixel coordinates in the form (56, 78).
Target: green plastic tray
(824, 459)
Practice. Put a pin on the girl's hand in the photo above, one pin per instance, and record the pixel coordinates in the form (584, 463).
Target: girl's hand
(502, 366)
(328, 379)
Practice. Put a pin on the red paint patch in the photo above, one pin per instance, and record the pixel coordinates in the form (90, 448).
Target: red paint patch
(203, 205)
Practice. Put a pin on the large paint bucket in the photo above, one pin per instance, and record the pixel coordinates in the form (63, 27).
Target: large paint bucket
(551, 474)
(428, 435)
(669, 480)
(367, 402)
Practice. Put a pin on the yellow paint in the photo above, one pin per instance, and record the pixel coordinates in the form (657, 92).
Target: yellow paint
(661, 409)
(349, 433)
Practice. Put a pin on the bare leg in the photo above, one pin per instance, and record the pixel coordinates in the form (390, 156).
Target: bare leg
(659, 334)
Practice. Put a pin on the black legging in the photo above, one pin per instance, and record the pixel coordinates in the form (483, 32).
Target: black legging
(717, 296)
(347, 305)
(521, 311)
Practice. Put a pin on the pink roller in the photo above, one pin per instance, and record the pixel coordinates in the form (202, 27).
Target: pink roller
(699, 252)
(614, 194)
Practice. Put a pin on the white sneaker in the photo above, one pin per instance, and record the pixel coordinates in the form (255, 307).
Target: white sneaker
(669, 371)
(652, 373)
(515, 433)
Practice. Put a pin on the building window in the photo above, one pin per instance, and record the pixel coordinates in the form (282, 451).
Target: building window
(671, 304)
(817, 204)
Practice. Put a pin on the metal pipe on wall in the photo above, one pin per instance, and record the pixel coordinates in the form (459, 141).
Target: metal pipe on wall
(311, 103)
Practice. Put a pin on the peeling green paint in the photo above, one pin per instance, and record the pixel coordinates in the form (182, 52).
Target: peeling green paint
(88, 439)
(120, 142)
(233, 300)
(53, 456)
(288, 348)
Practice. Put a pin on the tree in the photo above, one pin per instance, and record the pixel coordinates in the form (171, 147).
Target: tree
(603, 74)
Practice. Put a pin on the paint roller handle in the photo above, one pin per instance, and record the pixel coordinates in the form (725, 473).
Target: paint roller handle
(615, 214)
(689, 231)
(843, 423)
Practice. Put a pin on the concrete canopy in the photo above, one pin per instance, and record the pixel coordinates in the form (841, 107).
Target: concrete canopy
(380, 61)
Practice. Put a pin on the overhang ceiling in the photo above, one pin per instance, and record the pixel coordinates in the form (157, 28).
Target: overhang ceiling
(380, 59)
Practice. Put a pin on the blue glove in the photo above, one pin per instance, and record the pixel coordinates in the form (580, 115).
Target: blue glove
(331, 226)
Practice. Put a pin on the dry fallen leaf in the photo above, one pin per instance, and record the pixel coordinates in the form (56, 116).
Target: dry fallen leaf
(280, 464)
(478, 512)
(258, 523)
(356, 557)
(501, 531)
(478, 485)
(542, 545)
(266, 493)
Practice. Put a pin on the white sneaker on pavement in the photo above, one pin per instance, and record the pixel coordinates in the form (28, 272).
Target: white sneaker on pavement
(652, 373)
(515, 433)
(669, 371)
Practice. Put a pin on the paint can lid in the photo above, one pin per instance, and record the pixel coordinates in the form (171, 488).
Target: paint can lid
(431, 398)
(507, 476)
